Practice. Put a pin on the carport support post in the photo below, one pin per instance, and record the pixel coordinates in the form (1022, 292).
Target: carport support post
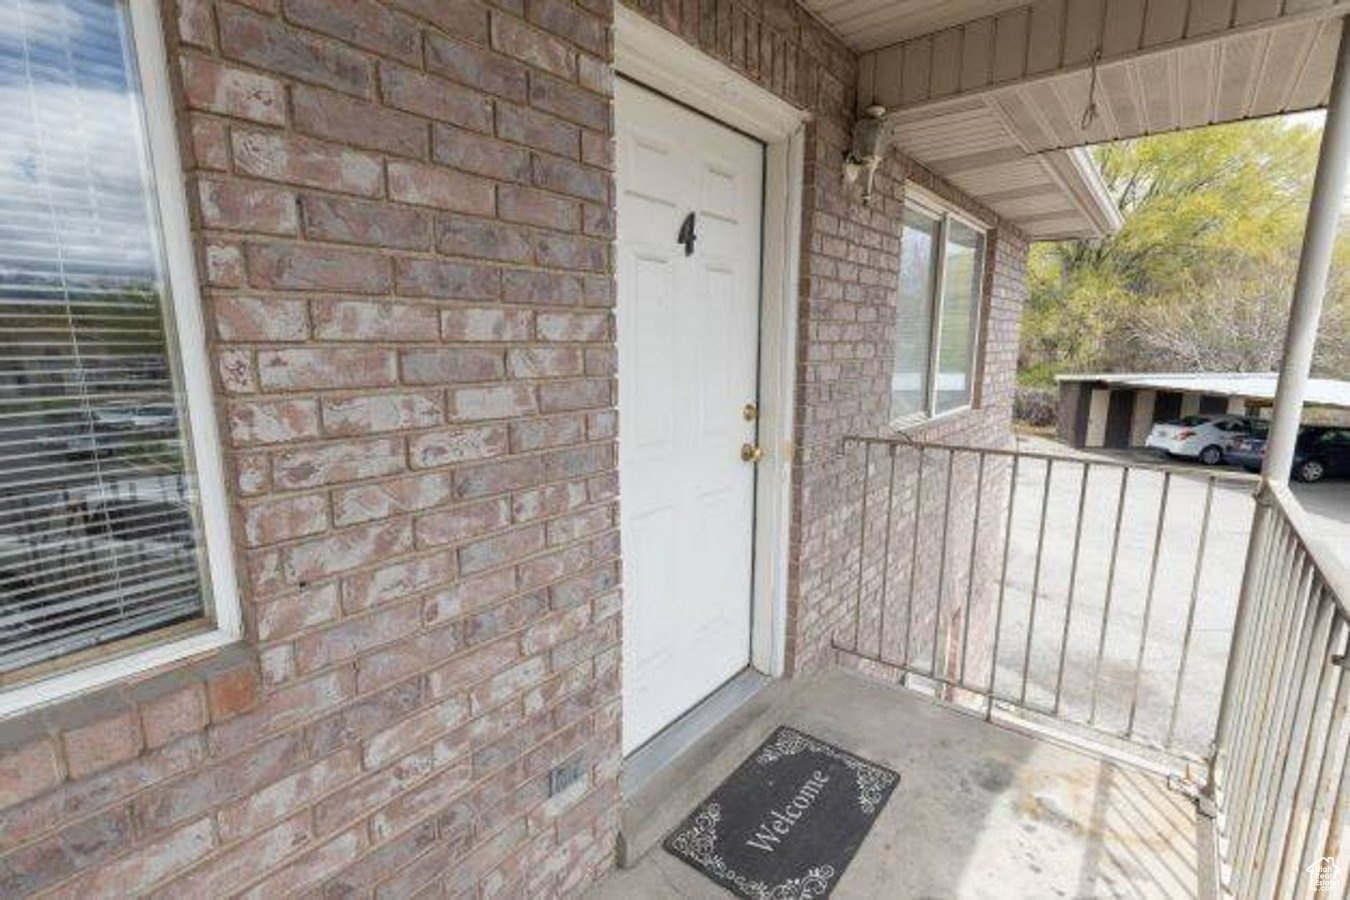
(1300, 335)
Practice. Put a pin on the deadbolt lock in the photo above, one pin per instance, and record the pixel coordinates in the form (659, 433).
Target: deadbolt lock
(750, 413)
(751, 453)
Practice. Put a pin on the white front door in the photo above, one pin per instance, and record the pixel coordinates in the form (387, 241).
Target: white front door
(688, 334)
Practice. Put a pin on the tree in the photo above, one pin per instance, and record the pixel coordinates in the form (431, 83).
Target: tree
(1201, 274)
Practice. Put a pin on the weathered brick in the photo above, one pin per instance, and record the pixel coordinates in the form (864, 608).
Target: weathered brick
(439, 448)
(476, 67)
(338, 462)
(88, 843)
(233, 692)
(498, 477)
(518, 40)
(210, 143)
(485, 324)
(383, 499)
(298, 612)
(540, 434)
(569, 102)
(376, 413)
(570, 252)
(133, 874)
(337, 117)
(469, 595)
(475, 404)
(365, 716)
(544, 288)
(452, 365)
(460, 523)
(195, 25)
(407, 657)
(312, 867)
(572, 326)
(564, 19)
(224, 263)
(565, 396)
(379, 320)
(301, 267)
(268, 44)
(534, 207)
(260, 319)
(537, 130)
(101, 744)
(215, 87)
(597, 150)
(509, 616)
(461, 18)
(304, 161)
(354, 635)
(579, 461)
(284, 518)
(302, 368)
(428, 185)
(550, 500)
(579, 525)
(174, 714)
(415, 805)
(463, 236)
(435, 98)
(480, 155)
(363, 222)
(567, 177)
(344, 550)
(362, 22)
(494, 551)
(242, 863)
(27, 771)
(393, 743)
(544, 362)
(397, 580)
(272, 421)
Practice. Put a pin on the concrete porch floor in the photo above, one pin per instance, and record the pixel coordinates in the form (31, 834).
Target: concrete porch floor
(980, 812)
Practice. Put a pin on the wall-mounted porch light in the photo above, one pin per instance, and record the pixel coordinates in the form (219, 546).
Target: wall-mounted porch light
(871, 137)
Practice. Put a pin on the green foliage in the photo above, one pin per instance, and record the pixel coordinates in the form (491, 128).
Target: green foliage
(1201, 274)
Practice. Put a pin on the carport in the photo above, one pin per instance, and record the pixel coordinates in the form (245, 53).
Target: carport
(1117, 410)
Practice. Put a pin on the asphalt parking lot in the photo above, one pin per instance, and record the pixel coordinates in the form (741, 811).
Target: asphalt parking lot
(1147, 611)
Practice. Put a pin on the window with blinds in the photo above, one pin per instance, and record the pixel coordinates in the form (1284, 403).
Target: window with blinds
(100, 541)
(937, 313)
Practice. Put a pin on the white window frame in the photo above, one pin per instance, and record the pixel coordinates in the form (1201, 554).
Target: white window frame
(931, 205)
(223, 622)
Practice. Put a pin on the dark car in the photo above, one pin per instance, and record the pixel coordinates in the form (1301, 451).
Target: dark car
(1321, 452)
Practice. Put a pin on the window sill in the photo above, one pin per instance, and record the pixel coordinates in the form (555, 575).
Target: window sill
(131, 666)
(922, 420)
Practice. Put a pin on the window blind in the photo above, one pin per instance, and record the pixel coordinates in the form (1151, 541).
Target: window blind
(99, 536)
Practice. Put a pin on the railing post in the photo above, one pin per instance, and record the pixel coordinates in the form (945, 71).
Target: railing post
(1300, 336)
(1319, 237)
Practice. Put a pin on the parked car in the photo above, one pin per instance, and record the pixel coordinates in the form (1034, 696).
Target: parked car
(1320, 452)
(1204, 438)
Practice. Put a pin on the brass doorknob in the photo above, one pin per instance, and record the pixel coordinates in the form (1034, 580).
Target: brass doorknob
(751, 453)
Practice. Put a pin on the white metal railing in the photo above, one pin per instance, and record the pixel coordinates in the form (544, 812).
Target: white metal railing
(1090, 597)
(1281, 783)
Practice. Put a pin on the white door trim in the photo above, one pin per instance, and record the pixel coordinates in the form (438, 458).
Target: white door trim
(663, 61)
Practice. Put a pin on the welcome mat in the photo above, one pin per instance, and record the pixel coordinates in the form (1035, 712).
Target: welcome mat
(788, 820)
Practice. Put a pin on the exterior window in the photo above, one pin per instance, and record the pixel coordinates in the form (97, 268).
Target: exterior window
(102, 534)
(937, 313)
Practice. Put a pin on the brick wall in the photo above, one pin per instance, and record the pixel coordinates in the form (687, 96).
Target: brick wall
(403, 213)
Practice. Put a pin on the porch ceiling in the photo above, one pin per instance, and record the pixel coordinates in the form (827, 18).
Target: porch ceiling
(991, 93)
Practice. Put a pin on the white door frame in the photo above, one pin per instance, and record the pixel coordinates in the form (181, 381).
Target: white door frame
(653, 56)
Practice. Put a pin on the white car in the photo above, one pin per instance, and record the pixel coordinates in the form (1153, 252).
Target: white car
(1203, 438)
